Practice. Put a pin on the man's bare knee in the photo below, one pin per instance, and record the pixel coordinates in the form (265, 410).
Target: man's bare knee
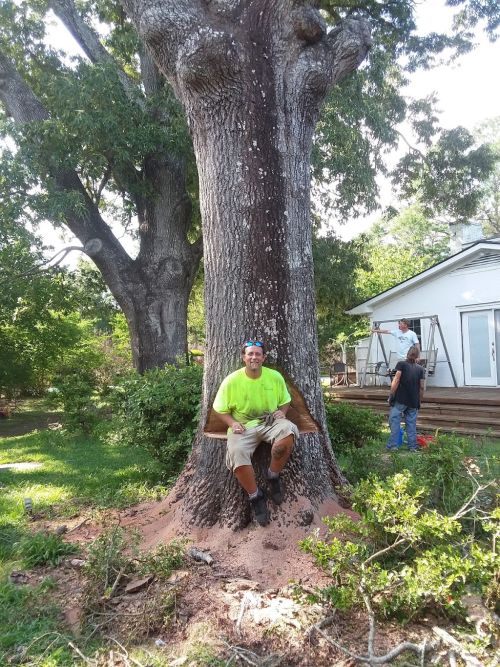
(282, 448)
(279, 451)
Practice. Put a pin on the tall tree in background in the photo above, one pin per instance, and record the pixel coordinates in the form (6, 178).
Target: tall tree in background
(489, 206)
(336, 264)
(398, 248)
(447, 181)
(37, 323)
(98, 141)
(361, 120)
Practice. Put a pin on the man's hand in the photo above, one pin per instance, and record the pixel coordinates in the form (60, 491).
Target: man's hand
(279, 414)
(237, 427)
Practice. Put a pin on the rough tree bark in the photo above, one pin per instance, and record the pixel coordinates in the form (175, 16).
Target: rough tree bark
(251, 75)
(153, 289)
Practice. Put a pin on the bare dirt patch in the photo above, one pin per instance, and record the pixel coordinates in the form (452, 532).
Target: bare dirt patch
(249, 606)
(24, 423)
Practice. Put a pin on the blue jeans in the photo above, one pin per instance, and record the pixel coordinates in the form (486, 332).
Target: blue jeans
(396, 413)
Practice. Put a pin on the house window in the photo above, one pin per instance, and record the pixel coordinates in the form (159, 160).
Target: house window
(416, 326)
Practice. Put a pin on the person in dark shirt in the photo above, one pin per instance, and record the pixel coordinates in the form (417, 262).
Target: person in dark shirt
(407, 391)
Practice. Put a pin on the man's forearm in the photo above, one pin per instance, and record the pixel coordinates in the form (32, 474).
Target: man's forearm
(284, 408)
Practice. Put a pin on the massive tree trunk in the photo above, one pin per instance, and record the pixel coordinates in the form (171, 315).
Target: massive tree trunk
(153, 289)
(251, 77)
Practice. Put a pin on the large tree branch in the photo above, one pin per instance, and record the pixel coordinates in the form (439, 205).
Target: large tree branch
(85, 221)
(17, 97)
(126, 175)
(89, 41)
(328, 57)
(166, 26)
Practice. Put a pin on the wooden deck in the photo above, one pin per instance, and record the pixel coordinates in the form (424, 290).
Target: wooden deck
(462, 410)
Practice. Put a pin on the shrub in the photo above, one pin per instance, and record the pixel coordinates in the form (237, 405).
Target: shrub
(43, 548)
(445, 473)
(158, 411)
(402, 557)
(77, 382)
(164, 559)
(108, 557)
(351, 426)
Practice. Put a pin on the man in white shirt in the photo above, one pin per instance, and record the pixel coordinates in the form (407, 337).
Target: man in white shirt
(404, 336)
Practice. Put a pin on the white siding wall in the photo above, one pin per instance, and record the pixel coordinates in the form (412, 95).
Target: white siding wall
(446, 296)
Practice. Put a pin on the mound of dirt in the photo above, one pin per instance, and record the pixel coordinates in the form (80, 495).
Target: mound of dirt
(269, 556)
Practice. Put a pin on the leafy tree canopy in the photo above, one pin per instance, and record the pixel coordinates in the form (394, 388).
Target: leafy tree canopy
(36, 320)
(94, 127)
(400, 247)
(489, 206)
(359, 123)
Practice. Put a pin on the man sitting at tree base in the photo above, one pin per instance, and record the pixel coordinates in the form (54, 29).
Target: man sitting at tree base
(253, 402)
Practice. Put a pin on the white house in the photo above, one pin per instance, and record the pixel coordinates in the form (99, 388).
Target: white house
(463, 291)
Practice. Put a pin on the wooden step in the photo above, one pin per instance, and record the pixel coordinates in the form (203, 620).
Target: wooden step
(459, 430)
(476, 418)
(440, 413)
(446, 399)
(452, 413)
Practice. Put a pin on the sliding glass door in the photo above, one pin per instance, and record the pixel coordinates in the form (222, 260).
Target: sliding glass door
(481, 341)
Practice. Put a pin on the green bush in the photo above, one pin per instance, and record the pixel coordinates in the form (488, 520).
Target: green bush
(164, 559)
(43, 548)
(351, 426)
(406, 559)
(158, 411)
(443, 469)
(77, 383)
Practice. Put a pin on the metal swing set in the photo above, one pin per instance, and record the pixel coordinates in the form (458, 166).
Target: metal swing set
(385, 368)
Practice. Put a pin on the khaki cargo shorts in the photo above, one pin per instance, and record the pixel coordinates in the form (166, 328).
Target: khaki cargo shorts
(241, 446)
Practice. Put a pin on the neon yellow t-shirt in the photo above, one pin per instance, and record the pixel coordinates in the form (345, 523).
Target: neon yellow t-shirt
(248, 399)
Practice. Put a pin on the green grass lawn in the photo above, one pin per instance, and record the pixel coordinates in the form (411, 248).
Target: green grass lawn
(74, 472)
(77, 474)
(80, 474)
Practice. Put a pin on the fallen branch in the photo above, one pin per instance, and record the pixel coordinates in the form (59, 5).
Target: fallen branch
(456, 646)
(199, 555)
(380, 659)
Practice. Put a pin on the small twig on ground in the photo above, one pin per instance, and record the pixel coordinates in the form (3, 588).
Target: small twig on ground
(115, 584)
(79, 525)
(125, 652)
(422, 657)
(244, 654)
(324, 623)
(81, 655)
(247, 600)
